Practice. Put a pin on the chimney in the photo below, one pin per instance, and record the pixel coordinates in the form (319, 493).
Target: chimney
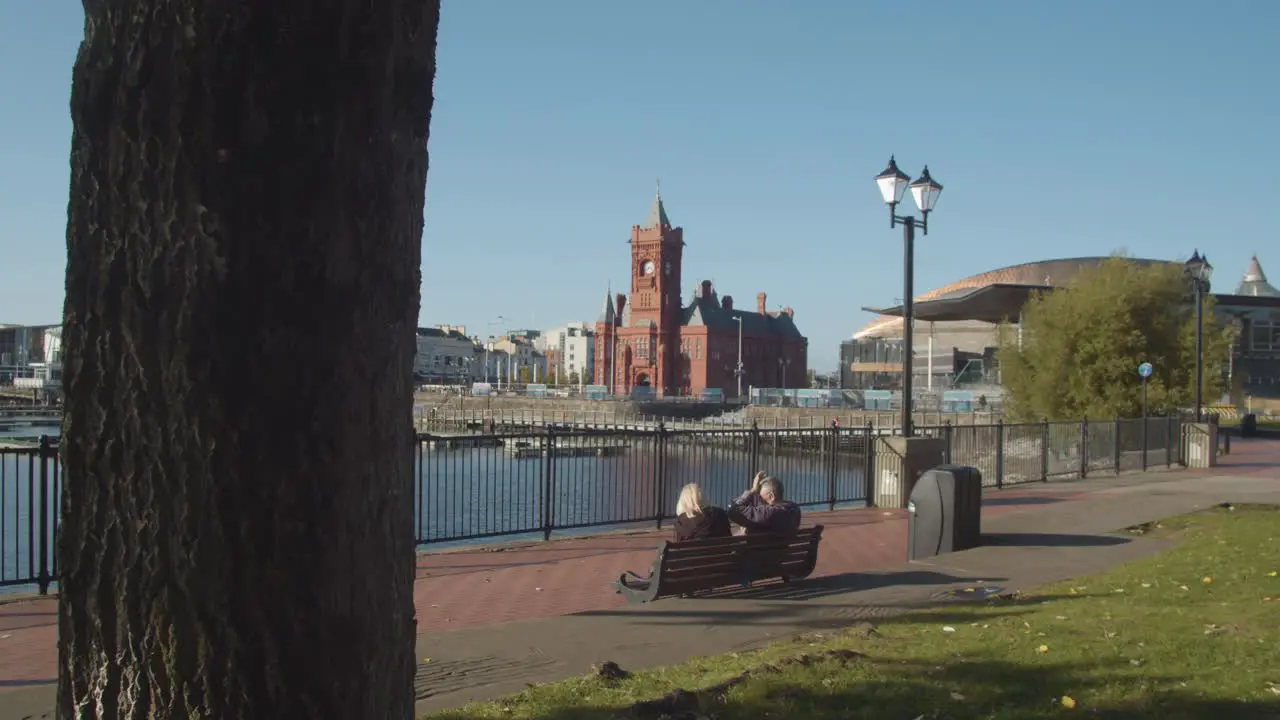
(788, 312)
(760, 302)
(706, 289)
(726, 302)
(622, 302)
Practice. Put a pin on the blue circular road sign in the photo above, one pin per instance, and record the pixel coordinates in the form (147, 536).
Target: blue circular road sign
(1145, 369)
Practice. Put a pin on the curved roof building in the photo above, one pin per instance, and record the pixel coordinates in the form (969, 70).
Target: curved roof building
(1045, 273)
(955, 331)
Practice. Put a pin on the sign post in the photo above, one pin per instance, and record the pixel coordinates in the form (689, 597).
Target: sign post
(1144, 371)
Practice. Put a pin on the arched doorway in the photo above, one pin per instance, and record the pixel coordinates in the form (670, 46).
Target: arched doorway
(642, 380)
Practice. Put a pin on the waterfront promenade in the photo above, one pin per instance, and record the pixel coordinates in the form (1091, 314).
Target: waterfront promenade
(492, 618)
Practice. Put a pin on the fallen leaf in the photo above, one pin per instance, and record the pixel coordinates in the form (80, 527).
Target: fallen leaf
(1271, 574)
(1206, 580)
(957, 697)
(1184, 587)
(1062, 617)
(1146, 585)
(1068, 702)
(948, 628)
(1042, 649)
(426, 660)
(1135, 663)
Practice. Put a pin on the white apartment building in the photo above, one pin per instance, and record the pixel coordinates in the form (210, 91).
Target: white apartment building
(571, 349)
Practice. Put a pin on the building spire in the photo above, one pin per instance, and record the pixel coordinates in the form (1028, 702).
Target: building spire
(658, 213)
(606, 313)
(1255, 282)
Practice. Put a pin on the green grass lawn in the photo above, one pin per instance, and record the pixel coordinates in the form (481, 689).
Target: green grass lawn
(1190, 633)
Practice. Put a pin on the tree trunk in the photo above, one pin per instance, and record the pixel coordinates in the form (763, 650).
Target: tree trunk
(244, 242)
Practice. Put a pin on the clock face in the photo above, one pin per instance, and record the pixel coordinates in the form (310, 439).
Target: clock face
(646, 268)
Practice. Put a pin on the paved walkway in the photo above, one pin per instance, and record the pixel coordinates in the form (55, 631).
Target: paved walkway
(494, 619)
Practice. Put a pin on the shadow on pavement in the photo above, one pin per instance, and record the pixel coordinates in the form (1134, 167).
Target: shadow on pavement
(721, 611)
(1052, 540)
(988, 501)
(35, 682)
(829, 585)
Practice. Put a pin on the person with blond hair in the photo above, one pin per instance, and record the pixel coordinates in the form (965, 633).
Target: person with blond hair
(695, 519)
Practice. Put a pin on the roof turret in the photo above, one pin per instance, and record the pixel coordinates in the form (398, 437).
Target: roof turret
(1255, 282)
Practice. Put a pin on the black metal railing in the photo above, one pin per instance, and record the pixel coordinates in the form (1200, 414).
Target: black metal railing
(481, 486)
(30, 487)
(1017, 453)
(539, 482)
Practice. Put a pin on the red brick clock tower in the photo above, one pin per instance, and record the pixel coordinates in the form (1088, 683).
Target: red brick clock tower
(653, 326)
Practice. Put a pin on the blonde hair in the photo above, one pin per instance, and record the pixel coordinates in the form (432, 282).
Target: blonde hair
(691, 501)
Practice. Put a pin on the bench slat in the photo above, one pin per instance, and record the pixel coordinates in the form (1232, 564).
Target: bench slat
(721, 555)
(700, 565)
(729, 561)
(758, 542)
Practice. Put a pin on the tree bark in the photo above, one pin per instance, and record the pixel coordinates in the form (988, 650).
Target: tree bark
(244, 243)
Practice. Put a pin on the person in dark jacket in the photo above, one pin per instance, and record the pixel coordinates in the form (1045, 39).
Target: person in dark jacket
(695, 519)
(762, 509)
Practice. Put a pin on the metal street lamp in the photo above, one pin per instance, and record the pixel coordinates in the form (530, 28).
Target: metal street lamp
(1198, 270)
(738, 370)
(893, 184)
(501, 322)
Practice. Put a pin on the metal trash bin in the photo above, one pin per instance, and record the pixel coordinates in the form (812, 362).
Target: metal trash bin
(944, 513)
(1249, 426)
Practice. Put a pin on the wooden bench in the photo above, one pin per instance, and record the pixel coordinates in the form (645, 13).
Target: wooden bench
(685, 568)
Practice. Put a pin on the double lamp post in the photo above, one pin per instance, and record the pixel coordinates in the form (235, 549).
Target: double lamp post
(893, 184)
(1198, 270)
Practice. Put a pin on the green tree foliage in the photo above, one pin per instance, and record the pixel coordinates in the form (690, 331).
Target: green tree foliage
(1081, 346)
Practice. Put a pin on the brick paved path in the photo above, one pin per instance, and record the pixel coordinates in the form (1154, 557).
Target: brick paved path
(485, 586)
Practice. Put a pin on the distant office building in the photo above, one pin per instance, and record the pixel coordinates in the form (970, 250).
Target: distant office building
(30, 350)
(570, 351)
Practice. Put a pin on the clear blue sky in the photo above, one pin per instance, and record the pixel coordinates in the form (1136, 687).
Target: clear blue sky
(1059, 129)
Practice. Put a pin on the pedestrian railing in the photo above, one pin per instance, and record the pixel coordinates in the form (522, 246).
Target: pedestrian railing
(538, 482)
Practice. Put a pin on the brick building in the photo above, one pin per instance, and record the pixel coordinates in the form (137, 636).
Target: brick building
(652, 337)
